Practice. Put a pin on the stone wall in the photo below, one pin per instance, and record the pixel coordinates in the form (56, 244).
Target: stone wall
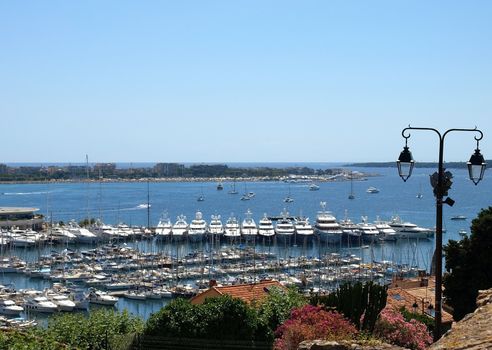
(473, 332)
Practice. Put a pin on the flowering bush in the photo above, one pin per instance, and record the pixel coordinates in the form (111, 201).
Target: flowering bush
(393, 328)
(309, 323)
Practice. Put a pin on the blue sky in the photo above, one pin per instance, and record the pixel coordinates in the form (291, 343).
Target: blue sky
(198, 81)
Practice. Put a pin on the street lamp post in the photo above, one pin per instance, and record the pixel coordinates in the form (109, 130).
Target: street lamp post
(441, 182)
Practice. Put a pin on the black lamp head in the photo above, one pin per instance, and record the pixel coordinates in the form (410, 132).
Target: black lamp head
(405, 163)
(476, 166)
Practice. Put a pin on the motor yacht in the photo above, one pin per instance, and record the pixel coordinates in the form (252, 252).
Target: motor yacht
(62, 301)
(9, 307)
(164, 227)
(387, 233)
(350, 230)
(327, 227)
(216, 228)
(284, 228)
(197, 228)
(408, 229)
(304, 230)
(372, 190)
(40, 304)
(368, 231)
(180, 228)
(101, 298)
(232, 230)
(313, 187)
(265, 227)
(249, 230)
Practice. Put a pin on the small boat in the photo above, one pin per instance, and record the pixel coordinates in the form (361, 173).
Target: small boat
(9, 307)
(40, 304)
(220, 187)
(372, 190)
(233, 188)
(458, 217)
(313, 187)
(351, 195)
(288, 199)
(200, 198)
(101, 298)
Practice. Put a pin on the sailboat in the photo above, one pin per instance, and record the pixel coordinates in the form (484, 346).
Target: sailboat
(420, 195)
(351, 195)
(233, 189)
(288, 199)
(201, 197)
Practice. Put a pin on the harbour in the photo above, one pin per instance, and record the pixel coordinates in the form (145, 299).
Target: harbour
(144, 267)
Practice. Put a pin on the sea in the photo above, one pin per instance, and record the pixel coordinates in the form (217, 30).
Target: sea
(115, 202)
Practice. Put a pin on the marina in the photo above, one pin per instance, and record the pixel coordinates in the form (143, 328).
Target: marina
(120, 261)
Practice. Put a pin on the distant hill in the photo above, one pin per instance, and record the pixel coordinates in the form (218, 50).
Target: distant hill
(448, 165)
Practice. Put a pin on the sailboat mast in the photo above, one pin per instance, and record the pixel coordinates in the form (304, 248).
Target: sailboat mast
(148, 204)
(87, 189)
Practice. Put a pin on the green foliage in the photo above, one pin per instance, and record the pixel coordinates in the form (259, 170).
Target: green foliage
(178, 319)
(228, 318)
(86, 222)
(361, 303)
(276, 308)
(469, 263)
(427, 320)
(16, 340)
(101, 328)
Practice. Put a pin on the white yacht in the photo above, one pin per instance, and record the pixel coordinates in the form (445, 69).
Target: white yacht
(180, 228)
(304, 230)
(284, 227)
(249, 230)
(83, 235)
(101, 298)
(216, 228)
(313, 187)
(350, 229)
(265, 228)
(164, 227)
(368, 231)
(408, 229)
(8, 307)
(60, 234)
(387, 233)
(40, 304)
(327, 227)
(197, 228)
(62, 301)
(372, 189)
(232, 230)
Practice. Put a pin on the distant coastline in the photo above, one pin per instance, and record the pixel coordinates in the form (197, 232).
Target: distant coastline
(448, 165)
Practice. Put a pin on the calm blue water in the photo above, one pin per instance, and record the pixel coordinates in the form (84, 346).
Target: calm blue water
(117, 202)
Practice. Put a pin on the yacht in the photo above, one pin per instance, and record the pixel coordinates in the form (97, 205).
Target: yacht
(164, 227)
(40, 304)
(288, 199)
(458, 217)
(408, 229)
(313, 187)
(101, 298)
(372, 190)
(284, 229)
(387, 233)
(350, 229)
(8, 307)
(327, 227)
(304, 230)
(265, 227)
(180, 228)
(232, 230)
(83, 235)
(249, 230)
(197, 228)
(216, 228)
(368, 231)
(62, 301)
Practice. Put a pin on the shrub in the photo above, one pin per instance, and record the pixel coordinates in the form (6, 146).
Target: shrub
(277, 307)
(392, 328)
(361, 303)
(312, 322)
(178, 319)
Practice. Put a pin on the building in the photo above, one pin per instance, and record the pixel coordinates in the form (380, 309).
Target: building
(20, 217)
(250, 293)
(417, 296)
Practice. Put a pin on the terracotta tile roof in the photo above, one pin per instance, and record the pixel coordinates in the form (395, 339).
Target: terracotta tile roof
(421, 296)
(247, 292)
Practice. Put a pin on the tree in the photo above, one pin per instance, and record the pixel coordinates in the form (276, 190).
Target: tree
(469, 265)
